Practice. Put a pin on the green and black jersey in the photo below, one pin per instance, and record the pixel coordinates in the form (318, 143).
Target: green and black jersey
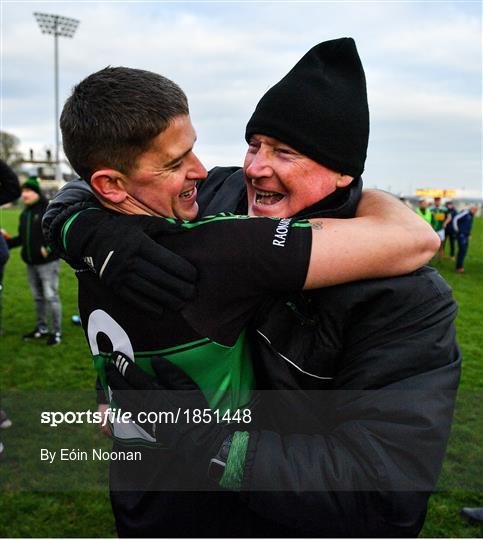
(240, 261)
(439, 215)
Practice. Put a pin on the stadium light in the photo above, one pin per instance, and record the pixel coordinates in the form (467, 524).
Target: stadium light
(57, 26)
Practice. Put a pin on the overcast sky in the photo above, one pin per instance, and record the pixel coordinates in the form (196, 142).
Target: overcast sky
(422, 63)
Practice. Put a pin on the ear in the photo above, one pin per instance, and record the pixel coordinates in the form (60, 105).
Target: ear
(110, 184)
(343, 180)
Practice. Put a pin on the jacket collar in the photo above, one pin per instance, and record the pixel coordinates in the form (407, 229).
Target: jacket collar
(340, 204)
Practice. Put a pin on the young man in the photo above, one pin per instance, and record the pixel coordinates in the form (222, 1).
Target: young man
(42, 266)
(358, 461)
(462, 225)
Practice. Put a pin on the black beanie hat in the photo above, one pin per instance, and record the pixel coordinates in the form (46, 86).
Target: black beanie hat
(320, 108)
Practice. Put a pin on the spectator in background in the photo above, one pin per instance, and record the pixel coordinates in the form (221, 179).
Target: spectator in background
(423, 211)
(462, 225)
(439, 219)
(42, 266)
(9, 191)
(449, 231)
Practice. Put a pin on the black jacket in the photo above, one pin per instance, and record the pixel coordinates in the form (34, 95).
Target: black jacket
(30, 235)
(9, 191)
(352, 442)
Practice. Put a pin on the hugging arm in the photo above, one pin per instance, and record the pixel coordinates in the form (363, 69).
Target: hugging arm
(118, 249)
(385, 239)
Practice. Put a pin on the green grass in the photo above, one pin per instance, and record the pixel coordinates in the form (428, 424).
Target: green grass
(463, 467)
(71, 500)
(34, 377)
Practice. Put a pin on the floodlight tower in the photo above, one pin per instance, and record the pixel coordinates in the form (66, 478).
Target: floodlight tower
(57, 26)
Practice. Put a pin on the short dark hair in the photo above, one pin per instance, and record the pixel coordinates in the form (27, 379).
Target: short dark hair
(113, 115)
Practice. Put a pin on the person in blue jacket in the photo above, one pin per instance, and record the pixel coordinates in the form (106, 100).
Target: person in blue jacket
(449, 230)
(462, 225)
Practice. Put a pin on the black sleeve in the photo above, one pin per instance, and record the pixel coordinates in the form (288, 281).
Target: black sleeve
(9, 186)
(240, 261)
(73, 197)
(14, 242)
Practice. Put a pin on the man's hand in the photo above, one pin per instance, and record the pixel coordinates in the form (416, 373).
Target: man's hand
(167, 398)
(104, 426)
(124, 257)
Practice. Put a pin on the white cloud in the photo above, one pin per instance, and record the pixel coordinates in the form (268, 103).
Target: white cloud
(448, 43)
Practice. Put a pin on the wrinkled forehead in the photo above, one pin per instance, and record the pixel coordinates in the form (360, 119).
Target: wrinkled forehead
(260, 138)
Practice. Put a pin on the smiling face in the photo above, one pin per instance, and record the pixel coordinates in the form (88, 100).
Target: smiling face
(165, 176)
(281, 182)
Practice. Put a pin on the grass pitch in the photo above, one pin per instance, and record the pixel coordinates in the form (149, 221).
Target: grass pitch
(38, 500)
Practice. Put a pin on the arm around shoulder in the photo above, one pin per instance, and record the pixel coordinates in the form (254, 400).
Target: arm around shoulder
(417, 240)
(385, 239)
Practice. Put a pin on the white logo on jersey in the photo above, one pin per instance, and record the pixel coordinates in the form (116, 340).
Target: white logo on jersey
(100, 321)
(281, 233)
(90, 262)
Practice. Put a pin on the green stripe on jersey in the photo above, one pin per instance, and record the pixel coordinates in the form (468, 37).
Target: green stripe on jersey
(224, 374)
(68, 223)
(226, 216)
(303, 224)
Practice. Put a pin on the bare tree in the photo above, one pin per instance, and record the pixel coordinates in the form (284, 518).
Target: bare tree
(9, 151)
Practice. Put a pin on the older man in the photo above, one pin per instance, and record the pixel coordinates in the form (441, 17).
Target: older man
(352, 442)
